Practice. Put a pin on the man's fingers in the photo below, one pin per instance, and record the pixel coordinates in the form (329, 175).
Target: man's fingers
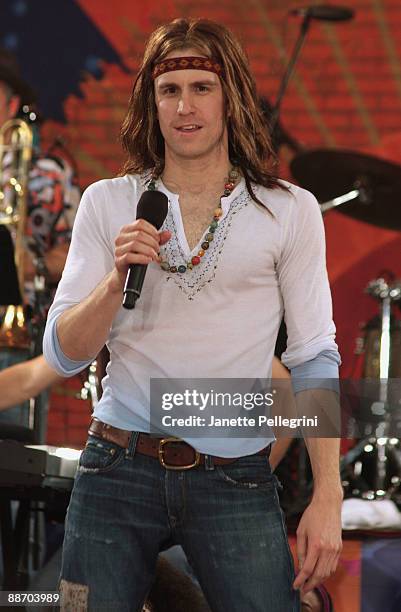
(325, 567)
(129, 259)
(135, 245)
(137, 237)
(304, 574)
(333, 559)
(135, 248)
(335, 562)
(301, 548)
(140, 224)
(128, 240)
(319, 574)
(164, 236)
(308, 567)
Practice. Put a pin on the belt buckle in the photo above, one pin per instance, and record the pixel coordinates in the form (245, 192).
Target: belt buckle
(163, 443)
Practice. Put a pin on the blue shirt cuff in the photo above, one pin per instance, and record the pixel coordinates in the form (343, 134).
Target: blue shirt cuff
(318, 373)
(57, 359)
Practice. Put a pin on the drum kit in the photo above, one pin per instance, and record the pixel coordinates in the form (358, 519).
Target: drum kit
(368, 189)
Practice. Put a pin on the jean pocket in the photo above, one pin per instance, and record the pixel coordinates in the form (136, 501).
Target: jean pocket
(247, 473)
(100, 456)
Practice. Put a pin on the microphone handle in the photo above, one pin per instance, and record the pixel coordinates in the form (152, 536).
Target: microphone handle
(133, 285)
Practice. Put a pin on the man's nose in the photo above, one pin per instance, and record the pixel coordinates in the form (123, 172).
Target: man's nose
(185, 104)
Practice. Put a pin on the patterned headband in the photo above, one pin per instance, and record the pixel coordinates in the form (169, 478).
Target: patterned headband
(187, 63)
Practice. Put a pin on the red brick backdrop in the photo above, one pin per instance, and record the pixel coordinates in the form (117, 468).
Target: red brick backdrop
(346, 93)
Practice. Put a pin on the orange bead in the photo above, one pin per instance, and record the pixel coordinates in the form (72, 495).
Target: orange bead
(218, 212)
(201, 253)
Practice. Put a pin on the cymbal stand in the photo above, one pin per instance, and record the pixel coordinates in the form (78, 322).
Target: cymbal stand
(322, 13)
(275, 113)
(383, 446)
(343, 199)
(361, 190)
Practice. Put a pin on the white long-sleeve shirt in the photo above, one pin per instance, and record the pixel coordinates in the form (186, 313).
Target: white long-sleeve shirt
(219, 320)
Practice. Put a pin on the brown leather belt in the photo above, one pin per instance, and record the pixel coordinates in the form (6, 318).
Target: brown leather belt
(173, 453)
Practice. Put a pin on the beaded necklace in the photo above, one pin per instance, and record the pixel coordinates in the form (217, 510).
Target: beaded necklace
(209, 234)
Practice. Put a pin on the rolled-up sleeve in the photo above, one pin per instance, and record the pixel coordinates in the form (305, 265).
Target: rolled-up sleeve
(55, 356)
(89, 259)
(304, 284)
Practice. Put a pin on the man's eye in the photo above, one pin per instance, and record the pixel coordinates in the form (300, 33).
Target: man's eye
(202, 88)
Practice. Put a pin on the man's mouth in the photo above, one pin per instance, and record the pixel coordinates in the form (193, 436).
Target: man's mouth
(192, 127)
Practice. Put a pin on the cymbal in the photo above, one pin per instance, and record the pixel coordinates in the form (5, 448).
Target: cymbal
(332, 173)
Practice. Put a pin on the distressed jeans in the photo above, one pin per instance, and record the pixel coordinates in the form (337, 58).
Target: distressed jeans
(125, 508)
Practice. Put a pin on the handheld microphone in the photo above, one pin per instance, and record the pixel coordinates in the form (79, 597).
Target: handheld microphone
(323, 12)
(153, 207)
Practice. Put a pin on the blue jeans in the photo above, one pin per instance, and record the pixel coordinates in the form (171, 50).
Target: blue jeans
(125, 508)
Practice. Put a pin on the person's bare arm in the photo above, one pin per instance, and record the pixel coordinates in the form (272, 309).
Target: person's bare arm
(25, 380)
(315, 448)
(54, 261)
(319, 531)
(281, 445)
(83, 329)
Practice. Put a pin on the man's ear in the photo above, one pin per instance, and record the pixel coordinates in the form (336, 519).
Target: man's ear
(13, 105)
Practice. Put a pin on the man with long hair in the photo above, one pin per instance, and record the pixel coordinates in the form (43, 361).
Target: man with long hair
(237, 249)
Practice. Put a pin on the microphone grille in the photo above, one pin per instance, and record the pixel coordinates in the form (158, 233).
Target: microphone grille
(153, 207)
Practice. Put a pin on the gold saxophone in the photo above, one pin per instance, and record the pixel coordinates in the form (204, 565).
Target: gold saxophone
(15, 144)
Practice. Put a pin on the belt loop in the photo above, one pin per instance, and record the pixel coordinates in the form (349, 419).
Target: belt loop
(130, 451)
(209, 464)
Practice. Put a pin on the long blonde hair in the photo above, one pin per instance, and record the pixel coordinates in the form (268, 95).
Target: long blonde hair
(250, 146)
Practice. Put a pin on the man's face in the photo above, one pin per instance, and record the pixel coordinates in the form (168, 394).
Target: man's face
(190, 110)
(8, 103)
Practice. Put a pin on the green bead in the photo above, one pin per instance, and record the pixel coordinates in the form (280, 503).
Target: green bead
(209, 237)
(182, 269)
(227, 192)
(165, 266)
(189, 265)
(205, 246)
(214, 224)
(212, 229)
(152, 186)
